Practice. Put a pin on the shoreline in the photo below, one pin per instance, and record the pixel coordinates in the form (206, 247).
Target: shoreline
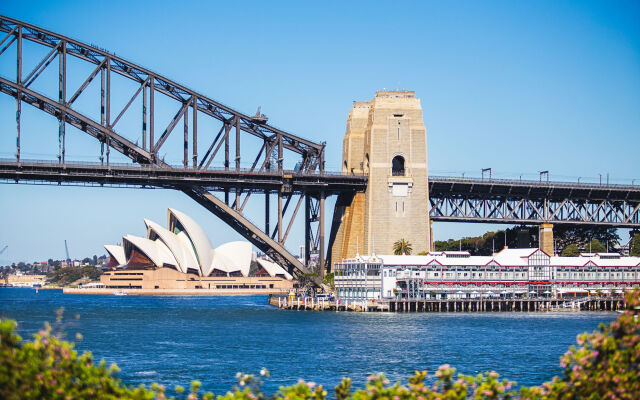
(173, 292)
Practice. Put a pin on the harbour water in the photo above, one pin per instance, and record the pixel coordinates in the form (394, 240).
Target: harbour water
(173, 340)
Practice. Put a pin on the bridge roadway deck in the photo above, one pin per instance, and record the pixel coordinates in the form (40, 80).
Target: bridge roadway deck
(148, 175)
(153, 176)
(452, 199)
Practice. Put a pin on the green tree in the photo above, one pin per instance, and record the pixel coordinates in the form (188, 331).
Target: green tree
(594, 246)
(488, 243)
(329, 280)
(635, 245)
(571, 250)
(401, 247)
(564, 235)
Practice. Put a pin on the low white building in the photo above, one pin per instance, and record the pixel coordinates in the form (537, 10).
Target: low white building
(508, 273)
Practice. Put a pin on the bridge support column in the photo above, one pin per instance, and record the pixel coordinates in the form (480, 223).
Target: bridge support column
(267, 195)
(194, 151)
(18, 98)
(307, 228)
(321, 250)
(279, 216)
(144, 117)
(546, 239)
(62, 84)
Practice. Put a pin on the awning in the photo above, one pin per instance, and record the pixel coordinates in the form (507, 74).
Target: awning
(573, 291)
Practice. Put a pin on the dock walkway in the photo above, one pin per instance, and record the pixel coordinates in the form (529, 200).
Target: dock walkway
(450, 305)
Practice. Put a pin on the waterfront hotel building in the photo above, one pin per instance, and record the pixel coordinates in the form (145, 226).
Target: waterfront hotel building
(508, 273)
(181, 257)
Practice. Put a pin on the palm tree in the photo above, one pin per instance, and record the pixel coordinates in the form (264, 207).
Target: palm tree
(402, 247)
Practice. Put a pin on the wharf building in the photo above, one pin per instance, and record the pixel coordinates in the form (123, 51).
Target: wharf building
(181, 257)
(510, 273)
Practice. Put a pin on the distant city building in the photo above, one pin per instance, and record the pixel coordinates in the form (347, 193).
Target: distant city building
(508, 273)
(21, 280)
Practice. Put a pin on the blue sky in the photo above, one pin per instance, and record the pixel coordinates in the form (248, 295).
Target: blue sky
(519, 87)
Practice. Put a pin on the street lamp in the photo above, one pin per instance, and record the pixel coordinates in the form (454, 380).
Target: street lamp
(544, 173)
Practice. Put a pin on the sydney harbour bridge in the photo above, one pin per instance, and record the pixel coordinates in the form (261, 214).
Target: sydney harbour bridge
(283, 171)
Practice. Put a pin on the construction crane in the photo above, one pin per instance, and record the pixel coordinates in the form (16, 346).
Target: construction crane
(3, 249)
(66, 249)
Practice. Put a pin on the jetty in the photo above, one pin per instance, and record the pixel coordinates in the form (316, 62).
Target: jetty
(612, 303)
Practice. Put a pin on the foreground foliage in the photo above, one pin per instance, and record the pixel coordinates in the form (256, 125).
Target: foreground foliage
(605, 365)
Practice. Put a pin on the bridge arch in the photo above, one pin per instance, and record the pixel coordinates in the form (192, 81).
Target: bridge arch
(278, 148)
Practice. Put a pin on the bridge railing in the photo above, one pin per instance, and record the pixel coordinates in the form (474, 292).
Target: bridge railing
(174, 169)
(533, 182)
(274, 172)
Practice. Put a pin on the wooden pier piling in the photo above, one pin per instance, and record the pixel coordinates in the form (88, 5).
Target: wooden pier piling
(450, 305)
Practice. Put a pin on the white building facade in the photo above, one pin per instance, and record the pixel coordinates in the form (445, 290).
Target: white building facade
(508, 273)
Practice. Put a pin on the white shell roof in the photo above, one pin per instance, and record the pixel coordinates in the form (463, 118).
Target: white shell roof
(231, 257)
(116, 252)
(190, 249)
(183, 254)
(197, 236)
(157, 252)
(273, 269)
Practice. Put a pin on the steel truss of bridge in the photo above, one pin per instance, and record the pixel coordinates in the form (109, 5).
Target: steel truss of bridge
(201, 149)
(533, 202)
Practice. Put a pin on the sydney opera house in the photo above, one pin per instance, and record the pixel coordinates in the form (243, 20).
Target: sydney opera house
(181, 257)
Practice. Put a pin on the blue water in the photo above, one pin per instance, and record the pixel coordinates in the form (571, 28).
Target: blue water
(172, 340)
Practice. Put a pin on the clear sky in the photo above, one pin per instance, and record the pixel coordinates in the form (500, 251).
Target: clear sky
(516, 86)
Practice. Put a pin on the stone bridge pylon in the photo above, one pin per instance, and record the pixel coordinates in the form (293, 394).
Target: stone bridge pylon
(385, 139)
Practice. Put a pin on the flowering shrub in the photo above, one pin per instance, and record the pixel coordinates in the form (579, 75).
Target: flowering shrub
(604, 366)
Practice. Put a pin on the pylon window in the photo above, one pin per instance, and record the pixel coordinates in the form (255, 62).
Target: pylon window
(397, 166)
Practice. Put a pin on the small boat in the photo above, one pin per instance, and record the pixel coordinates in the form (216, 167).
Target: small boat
(119, 293)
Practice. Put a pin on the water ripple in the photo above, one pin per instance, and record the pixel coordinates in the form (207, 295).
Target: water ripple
(172, 340)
